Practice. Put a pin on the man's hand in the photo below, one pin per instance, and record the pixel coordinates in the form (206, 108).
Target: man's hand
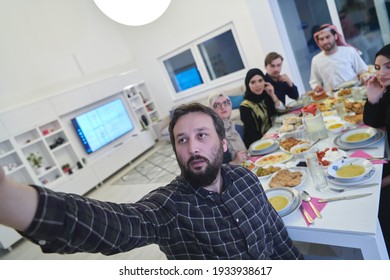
(318, 88)
(286, 79)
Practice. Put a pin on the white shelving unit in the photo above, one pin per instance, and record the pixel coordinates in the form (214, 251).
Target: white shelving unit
(143, 106)
(50, 142)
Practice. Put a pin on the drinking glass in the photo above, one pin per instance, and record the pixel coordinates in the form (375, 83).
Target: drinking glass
(317, 172)
(340, 108)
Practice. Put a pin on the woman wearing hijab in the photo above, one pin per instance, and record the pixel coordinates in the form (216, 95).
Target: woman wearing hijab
(259, 105)
(377, 114)
(236, 152)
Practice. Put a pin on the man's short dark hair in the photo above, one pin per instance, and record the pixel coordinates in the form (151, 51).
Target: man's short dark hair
(185, 109)
(271, 57)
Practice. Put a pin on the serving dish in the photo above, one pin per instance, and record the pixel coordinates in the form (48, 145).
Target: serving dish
(300, 150)
(290, 181)
(269, 170)
(277, 157)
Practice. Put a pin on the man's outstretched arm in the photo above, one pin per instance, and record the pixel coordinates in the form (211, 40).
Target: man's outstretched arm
(18, 203)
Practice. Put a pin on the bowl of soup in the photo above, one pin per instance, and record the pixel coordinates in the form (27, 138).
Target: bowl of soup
(350, 169)
(358, 135)
(335, 127)
(261, 146)
(281, 199)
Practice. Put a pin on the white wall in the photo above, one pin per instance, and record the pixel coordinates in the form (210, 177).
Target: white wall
(49, 46)
(183, 22)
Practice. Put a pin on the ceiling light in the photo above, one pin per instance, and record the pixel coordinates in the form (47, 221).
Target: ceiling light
(133, 12)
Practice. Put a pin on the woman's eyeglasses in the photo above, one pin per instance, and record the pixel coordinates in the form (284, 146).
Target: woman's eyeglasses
(224, 104)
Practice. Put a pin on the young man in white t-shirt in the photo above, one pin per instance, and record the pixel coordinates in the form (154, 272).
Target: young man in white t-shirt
(338, 62)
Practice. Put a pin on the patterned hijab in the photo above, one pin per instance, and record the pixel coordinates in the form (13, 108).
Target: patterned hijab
(235, 143)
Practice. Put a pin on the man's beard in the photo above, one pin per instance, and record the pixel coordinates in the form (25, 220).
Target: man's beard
(329, 46)
(204, 177)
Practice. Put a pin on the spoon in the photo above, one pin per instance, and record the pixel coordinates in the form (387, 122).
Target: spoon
(306, 197)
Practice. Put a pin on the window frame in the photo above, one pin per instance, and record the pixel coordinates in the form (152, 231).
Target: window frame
(208, 84)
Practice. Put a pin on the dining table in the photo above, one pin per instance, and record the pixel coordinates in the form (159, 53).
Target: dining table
(345, 223)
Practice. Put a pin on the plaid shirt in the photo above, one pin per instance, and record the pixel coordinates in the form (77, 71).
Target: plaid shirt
(186, 223)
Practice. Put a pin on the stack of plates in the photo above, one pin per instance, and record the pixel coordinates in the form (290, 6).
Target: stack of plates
(358, 138)
(367, 171)
(293, 198)
(262, 147)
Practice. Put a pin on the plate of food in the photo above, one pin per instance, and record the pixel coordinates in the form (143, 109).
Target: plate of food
(248, 165)
(278, 157)
(358, 135)
(354, 118)
(328, 156)
(287, 143)
(289, 178)
(300, 150)
(350, 169)
(263, 172)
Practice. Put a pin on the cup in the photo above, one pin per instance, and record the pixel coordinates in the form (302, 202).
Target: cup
(317, 172)
(305, 99)
(340, 108)
(356, 95)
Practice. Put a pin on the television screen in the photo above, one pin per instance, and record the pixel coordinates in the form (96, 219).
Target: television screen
(100, 126)
(188, 79)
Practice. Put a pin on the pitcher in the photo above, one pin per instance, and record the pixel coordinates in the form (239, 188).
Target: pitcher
(314, 123)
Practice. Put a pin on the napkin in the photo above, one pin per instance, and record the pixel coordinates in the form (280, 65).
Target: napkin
(309, 210)
(362, 154)
(254, 158)
(271, 135)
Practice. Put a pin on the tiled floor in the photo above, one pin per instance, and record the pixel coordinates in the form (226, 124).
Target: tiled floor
(160, 166)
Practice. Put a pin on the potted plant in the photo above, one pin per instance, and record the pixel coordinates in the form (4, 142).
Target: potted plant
(36, 161)
(66, 168)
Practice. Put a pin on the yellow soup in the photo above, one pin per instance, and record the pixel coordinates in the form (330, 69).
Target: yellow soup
(348, 171)
(336, 125)
(358, 137)
(278, 202)
(263, 146)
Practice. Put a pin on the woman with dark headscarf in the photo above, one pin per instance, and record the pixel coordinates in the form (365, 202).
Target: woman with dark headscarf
(259, 105)
(377, 114)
